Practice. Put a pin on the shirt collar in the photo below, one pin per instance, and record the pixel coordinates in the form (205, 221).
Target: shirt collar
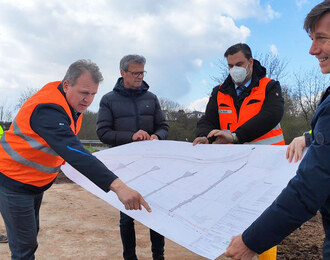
(246, 84)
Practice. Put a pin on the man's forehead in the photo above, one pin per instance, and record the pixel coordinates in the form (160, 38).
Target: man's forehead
(88, 89)
(135, 65)
(237, 57)
(322, 26)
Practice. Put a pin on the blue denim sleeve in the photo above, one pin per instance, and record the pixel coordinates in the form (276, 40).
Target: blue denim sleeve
(53, 124)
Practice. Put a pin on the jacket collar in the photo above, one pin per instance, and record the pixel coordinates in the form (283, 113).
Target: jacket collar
(325, 95)
(119, 87)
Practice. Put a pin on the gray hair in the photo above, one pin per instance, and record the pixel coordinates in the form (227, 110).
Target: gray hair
(128, 59)
(77, 68)
(315, 15)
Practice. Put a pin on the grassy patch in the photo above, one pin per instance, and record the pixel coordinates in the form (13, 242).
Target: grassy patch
(91, 149)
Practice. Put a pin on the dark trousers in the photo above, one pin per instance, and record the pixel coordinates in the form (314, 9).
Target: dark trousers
(20, 212)
(127, 233)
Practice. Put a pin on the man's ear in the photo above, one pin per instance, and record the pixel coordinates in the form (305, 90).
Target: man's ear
(122, 73)
(65, 85)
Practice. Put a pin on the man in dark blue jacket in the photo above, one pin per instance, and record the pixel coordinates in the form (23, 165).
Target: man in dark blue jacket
(127, 114)
(50, 129)
(309, 190)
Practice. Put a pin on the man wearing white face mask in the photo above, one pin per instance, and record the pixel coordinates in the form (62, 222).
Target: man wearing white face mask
(246, 108)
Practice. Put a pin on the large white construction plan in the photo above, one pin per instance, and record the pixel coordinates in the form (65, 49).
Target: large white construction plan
(200, 195)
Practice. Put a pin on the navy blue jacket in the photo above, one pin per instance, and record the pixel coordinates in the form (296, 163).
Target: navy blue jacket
(306, 193)
(124, 111)
(53, 124)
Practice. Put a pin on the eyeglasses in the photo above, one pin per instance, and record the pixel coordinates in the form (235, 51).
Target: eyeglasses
(137, 73)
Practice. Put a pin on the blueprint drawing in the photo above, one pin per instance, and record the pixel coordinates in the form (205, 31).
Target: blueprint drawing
(200, 195)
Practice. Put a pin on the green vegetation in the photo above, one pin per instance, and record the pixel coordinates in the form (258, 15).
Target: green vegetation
(91, 149)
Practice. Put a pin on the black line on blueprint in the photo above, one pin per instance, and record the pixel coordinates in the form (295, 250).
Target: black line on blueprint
(154, 168)
(185, 175)
(195, 196)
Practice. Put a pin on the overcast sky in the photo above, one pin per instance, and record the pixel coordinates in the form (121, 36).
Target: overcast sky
(182, 40)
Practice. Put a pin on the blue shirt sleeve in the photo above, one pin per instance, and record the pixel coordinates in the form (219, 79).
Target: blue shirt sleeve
(51, 122)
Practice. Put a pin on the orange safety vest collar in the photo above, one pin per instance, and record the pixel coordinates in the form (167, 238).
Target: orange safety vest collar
(250, 107)
(24, 155)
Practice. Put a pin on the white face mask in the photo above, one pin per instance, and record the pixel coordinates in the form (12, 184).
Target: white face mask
(238, 74)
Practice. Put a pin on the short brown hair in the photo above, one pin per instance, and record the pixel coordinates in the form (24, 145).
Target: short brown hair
(315, 15)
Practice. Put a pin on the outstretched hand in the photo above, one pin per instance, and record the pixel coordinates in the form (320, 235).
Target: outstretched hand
(295, 149)
(129, 197)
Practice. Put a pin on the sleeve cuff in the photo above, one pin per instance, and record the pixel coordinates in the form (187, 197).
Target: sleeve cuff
(308, 138)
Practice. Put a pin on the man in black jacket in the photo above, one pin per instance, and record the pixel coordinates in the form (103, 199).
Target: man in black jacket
(127, 114)
(247, 107)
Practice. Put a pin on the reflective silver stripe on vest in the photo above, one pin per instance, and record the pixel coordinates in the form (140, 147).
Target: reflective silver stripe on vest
(32, 142)
(20, 159)
(278, 126)
(271, 140)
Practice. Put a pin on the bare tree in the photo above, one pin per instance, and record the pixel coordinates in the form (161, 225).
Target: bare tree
(25, 95)
(5, 112)
(223, 71)
(275, 67)
(308, 90)
(290, 100)
(169, 105)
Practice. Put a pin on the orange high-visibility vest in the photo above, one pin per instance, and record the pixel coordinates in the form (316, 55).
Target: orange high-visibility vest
(251, 106)
(24, 155)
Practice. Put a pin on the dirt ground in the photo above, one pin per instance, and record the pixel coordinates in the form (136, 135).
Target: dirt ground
(77, 225)
(305, 243)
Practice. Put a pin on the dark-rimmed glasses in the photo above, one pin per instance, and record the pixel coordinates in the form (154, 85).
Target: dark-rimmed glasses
(137, 73)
